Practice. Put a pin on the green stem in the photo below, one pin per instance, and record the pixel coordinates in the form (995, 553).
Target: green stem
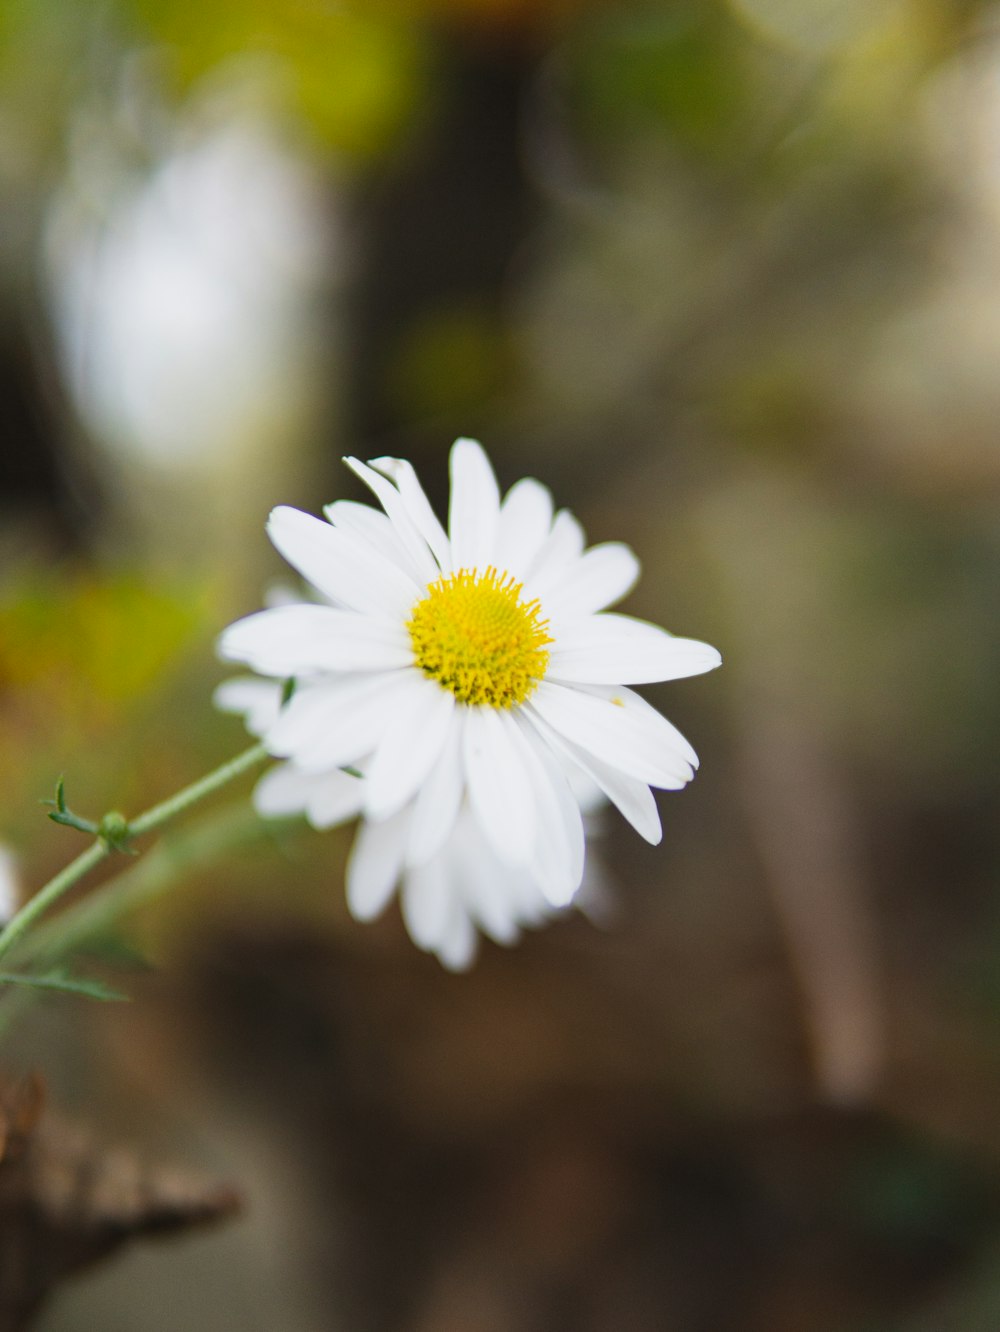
(53, 890)
(152, 818)
(207, 840)
(190, 795)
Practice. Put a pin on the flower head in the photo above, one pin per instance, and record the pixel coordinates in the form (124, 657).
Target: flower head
(475, 678)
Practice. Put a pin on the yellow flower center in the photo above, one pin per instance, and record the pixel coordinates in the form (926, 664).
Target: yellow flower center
(475, 636)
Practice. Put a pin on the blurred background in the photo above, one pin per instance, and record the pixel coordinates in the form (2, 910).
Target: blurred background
(726, 275)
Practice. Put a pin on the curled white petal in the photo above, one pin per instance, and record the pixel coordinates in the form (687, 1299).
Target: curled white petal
(370, 527)
(417, 504)
(349, 573)
(398, 514)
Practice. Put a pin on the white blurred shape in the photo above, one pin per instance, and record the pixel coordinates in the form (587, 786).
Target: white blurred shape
(181, 313)
(10, 884)
(961, 122)
(929, 382)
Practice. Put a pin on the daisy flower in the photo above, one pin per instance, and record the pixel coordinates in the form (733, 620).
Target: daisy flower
(471, 675)
(463, 889)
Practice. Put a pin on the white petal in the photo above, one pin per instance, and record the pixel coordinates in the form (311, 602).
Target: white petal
(632, 743)
(439, 799)
(631, 797)
(644, 712)
(328, 799)
(500, 792)
(374, 865)
(474, 511)
(562, 548)
(410, 749)
(617, 649)
(525, 522)
(426, 902)
(327, 725)
(490, 894)
(435, 914)
(586, 792)
(303, 639)
(498, 896)
(282, 791)
(399, 515)
(372, 527)
(600, 577)
(457, 950)
(257, 701)
(559, 848)
(562, 852)
(350, 573)
(279, 593)
(417, 504)
(528, 904)
(336, 797)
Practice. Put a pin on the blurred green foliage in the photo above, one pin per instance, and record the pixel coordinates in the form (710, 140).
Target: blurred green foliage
(92, 646)
(353, 72)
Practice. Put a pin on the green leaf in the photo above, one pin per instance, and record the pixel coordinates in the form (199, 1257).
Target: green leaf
(59, 980)
(61, 813)
(113, 950)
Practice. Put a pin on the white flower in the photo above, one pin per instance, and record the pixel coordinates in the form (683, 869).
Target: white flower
(468, 674)
(463, 888)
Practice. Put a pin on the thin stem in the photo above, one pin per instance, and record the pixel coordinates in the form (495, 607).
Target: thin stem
(202, 843)
(53, 890)
(155, 817)
(195, 846)
(190, 795)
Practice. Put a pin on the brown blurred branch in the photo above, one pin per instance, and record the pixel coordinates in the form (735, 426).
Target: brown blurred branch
(66, 1203)
(807, 837)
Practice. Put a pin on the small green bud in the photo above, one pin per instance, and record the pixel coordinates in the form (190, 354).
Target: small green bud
(113, 828)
